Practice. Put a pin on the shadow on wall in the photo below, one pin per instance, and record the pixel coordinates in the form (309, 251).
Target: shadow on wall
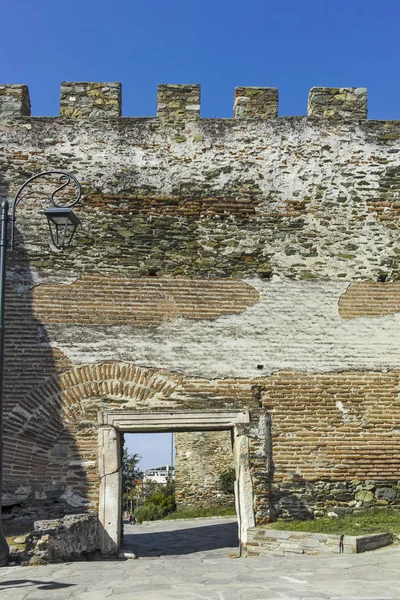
(43, 476)
(289, 500)
(181, 541)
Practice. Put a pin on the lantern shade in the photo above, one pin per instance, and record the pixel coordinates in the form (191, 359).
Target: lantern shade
(62, 224)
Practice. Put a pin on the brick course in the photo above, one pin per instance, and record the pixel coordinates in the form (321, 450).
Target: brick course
(370, 299)
(140, 302)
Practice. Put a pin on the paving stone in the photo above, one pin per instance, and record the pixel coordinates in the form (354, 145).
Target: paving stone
(210, 575)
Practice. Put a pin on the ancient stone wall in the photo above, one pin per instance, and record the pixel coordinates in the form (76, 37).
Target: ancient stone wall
(201, 458)
(250, 261)
(74, 537)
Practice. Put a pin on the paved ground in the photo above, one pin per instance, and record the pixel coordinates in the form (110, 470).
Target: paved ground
(193, 564)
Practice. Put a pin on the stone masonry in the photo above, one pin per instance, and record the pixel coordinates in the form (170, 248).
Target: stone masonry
(258, 103)
(90, 100)
(245, 263)
(339, 103)
(201, 458)
(278, 542)
(178, 102)
(14, 101)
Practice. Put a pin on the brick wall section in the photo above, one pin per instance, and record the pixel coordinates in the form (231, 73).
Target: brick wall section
(201, 457)
(335, 440)
(370, 299)
(334, 426)
(175, 206)
(32, 475)
(140, 302)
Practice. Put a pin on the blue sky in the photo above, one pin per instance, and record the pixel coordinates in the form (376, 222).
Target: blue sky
(290, 44)
(154, 448)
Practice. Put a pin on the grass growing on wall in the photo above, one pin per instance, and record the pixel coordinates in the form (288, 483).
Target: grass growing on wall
(362, 523)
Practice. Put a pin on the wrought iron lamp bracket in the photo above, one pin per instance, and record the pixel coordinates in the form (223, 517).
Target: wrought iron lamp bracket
(64, 179)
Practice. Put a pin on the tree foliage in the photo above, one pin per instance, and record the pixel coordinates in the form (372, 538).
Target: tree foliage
(130, 470)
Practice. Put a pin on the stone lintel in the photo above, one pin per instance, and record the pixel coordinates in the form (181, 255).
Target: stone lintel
(172, 421)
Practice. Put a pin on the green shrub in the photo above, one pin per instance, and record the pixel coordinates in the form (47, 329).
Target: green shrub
(165, 502)
(148, 512)
(160, 502)
(227, 481)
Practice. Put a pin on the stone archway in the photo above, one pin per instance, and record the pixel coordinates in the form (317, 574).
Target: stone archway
(113, 423)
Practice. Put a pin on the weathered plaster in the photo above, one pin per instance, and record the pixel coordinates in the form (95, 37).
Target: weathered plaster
(289, 148)
(295, 325)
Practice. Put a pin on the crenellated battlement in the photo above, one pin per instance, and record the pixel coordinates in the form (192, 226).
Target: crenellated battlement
(99, 100)
(14, 101)
(178, 101)
(338, 103)
(90, 99)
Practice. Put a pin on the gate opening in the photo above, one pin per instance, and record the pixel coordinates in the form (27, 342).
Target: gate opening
(167, 504)
(112, 426)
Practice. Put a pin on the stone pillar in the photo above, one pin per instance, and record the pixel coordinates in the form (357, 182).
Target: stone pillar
(244, 498)
(90, 99)
(178, 102)
(110, 492)
(255, 103)
(338, 103)
(14, 101)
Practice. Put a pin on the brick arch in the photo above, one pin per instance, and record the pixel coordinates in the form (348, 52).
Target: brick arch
(64, 399)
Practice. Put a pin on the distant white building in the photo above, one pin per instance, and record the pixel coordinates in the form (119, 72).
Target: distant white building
(159, 474)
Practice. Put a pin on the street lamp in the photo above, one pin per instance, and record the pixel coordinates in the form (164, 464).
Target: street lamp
(62, 223)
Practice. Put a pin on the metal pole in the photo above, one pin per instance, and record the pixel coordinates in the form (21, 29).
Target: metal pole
(64, 179)
(172, 455)
(4, 549)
